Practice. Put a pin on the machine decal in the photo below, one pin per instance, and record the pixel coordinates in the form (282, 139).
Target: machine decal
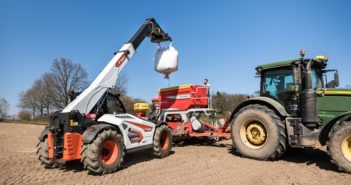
(144, 127)
(135, 139)
(120, 60)
(184, 96)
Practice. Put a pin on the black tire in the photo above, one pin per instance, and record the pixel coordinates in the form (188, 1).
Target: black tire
(43, 155)
(104, 154)
(339, 146)
(162, 141)
(258, 133)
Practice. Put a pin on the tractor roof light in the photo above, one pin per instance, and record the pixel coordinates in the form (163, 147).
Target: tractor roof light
(321, 58)
(302, 53)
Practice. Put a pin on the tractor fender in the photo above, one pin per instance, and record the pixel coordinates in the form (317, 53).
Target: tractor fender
(323, 136)
(269, 102)
(44, 133)
(92, 131)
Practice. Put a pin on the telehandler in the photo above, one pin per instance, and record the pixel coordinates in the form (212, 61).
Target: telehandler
(95, 128)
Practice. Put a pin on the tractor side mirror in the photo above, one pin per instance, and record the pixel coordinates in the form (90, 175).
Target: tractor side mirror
(336, 79)
(331, 84)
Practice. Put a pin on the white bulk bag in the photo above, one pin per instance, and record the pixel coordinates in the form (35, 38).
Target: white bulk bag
(166, 60)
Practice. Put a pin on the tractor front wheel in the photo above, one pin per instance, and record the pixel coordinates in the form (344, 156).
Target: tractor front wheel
(258, 133)
(339, 146)
(105, 154)
(162, 141)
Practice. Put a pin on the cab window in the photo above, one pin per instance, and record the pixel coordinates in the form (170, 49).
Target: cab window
(114, 105)
(276, 82)
(316, 81)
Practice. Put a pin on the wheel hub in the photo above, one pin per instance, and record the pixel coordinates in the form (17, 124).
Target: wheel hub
(109, 152)
(255, 133)
(346, 148)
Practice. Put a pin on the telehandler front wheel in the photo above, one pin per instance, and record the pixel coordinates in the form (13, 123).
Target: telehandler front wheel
(258, 133)
(339, 146)
(43, 154)
(162, 141)
(104, 154)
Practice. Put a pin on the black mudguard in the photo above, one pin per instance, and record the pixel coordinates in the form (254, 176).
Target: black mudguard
(92, 131)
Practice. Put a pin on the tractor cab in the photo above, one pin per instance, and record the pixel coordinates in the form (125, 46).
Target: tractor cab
(292, 82)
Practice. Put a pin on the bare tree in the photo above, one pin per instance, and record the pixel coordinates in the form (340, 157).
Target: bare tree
(24, 115)
(128, 103)
(38, 97)
(52, 89)
(225, 103)
(66, 76)
(38, 89)
(48, 94)
(4, 106)
(28, 100)
(121, 85)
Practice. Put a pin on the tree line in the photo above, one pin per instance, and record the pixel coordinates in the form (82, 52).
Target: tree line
(224, 103)
(4, 106)
(50, 91)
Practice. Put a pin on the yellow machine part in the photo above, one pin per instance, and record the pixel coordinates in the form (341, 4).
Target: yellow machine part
(141, 107)
(175, 87)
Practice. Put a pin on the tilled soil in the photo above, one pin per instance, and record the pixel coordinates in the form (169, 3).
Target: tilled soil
(192, 162)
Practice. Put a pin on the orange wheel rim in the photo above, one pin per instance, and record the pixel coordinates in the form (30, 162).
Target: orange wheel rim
(109, 152)
(164, 140)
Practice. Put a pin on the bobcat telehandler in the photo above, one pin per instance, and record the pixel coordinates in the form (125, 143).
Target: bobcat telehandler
(95, 128)
(297, 107)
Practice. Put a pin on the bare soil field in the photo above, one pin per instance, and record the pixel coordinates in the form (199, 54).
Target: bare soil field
(190, 163)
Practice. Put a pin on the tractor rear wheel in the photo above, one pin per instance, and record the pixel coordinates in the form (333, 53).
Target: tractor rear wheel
(258, 133)
(339, 146)
(43, 154)
(104, 154)
(162, 141)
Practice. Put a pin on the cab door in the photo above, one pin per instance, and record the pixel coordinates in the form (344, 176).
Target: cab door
(278, 84)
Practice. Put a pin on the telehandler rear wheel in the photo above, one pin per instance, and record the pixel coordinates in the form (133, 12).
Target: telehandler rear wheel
(43, 154)
(339, 146)
(258, 133)
(105, 154)
(162, 141)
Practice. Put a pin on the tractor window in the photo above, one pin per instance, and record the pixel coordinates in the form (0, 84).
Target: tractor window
(316, 82)
(276, 82)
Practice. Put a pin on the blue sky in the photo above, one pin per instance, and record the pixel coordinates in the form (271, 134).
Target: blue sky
(220, 40)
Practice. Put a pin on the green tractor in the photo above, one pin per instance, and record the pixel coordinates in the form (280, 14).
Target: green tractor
(298, 107)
